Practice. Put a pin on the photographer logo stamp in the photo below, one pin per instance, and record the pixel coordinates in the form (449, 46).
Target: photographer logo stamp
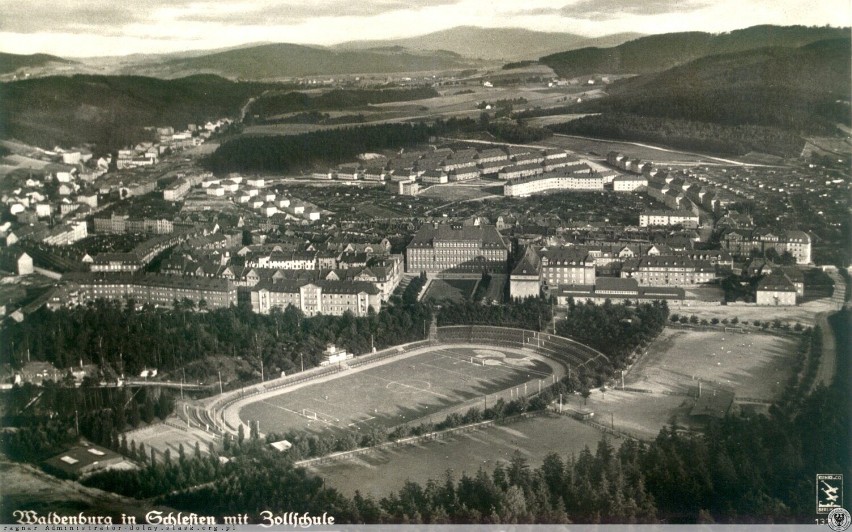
(839, 519)
(829, 492)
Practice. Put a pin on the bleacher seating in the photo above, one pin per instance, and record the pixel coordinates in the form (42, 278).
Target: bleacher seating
(559, 348)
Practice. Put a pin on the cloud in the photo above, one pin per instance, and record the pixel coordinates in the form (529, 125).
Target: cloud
(42, 15)
(278, 13)
(614, 9)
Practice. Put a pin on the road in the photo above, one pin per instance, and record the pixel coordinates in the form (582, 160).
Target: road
(828, 359)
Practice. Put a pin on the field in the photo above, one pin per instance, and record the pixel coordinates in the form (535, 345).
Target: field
(386, 471)
(753, 365)
(453, 289)
(162, 437)
(397, 392)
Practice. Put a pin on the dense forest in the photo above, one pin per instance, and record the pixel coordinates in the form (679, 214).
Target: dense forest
(704, 137)
(531, 313)
(804, 90)
(123, 340)
(614, 329)
(286, 153)
(111, 112)
(655, 53)
(273, 104)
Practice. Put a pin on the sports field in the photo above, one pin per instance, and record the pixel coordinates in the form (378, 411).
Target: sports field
(400, 391)
(383, 472)
(754, 365)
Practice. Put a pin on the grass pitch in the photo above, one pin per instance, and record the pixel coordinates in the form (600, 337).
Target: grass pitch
(383, 472)
(398, 392)
(754, 365)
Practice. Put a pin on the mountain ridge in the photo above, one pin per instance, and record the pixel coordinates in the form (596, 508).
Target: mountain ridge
(655, 53)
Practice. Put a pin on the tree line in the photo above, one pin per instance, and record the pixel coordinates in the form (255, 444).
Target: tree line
(614, 329)
(532, 313)
(284, 153)
(686, 134)
(275, 104)
(123, 340)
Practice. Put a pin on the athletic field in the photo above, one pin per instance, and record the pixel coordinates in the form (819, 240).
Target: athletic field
(404, 390)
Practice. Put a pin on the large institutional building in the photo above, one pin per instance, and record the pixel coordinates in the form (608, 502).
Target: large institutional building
(440, 248)
(317, 297)
(797, 243)
(158, 290)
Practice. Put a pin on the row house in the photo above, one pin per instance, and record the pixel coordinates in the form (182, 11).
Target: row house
(150, 289)
(517, 171)
(434, 177)
(668, 218)
(66, 234)
(464, 174)
(553, 181)
(629, 183)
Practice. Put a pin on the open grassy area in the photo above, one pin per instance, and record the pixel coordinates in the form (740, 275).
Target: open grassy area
(386, 471)
(397, 392)
(753, 365)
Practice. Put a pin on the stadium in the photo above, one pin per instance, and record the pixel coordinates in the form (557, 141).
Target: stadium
(458, 368)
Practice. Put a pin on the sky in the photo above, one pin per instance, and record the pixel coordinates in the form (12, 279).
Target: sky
(89, 28)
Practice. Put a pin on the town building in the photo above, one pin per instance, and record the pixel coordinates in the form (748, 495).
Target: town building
(616, 290)
(438, 248)
(669, 270)
(153, 289)
(776, 289)
(316, 297)
(741, 243)
(629, 183)
(558, 180)
(668, 218)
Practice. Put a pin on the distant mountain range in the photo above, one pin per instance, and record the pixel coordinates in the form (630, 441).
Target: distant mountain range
(275, 61)
(10, 63)
(494, 44)
(656, 53)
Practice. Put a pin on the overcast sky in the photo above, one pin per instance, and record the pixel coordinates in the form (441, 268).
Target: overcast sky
(80, 28)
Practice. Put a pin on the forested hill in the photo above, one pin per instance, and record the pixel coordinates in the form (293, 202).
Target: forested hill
(110, 111)
(794, 89)
(12, 62)
(762, 100)
(656, 53)
(275, 61)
